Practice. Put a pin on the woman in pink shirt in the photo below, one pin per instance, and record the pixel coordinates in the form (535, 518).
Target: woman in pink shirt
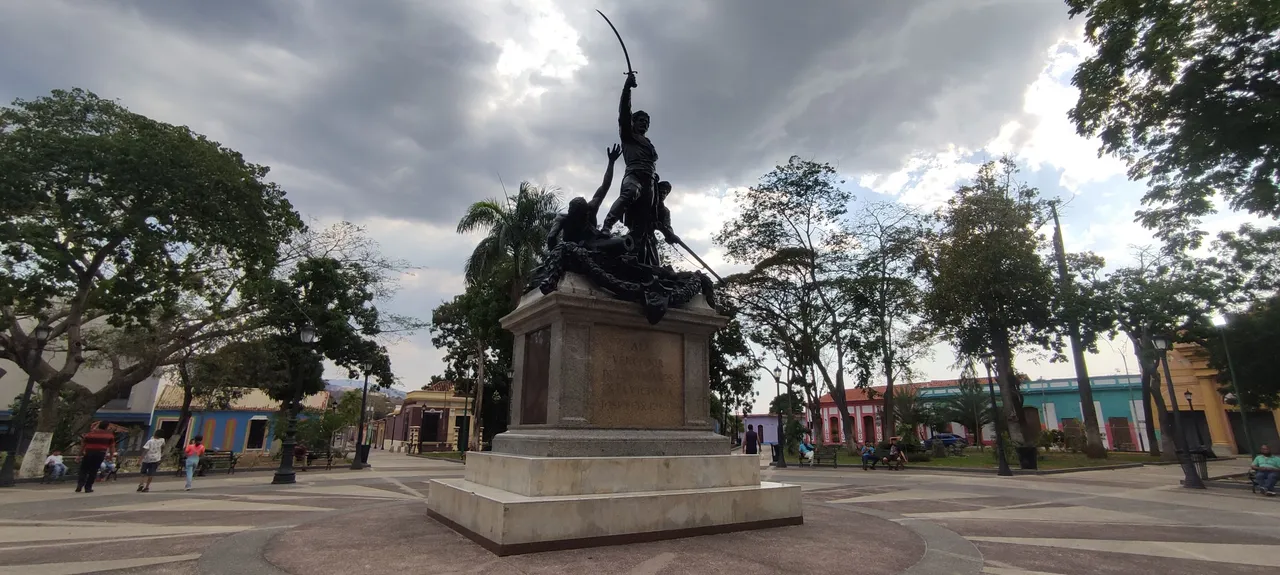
(193, 452)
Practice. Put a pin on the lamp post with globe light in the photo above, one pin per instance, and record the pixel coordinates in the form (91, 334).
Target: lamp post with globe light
(1191, 479)
(1220, 322)
(284, 474)
(18, 421)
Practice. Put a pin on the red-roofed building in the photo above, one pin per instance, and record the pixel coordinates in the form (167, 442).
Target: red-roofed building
(866, 413)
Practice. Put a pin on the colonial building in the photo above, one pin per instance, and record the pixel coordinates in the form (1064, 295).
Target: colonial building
(1208, 418)
(430, 419)
(131, 408)
(1055, 404)
(246, 426)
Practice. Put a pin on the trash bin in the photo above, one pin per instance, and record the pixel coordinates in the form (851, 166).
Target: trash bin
(1201, 463)
(363, 454)
(1028, 456)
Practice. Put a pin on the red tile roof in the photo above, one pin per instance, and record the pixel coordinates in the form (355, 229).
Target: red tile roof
(854, 395)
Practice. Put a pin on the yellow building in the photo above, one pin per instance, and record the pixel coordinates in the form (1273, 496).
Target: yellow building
(1207, 419)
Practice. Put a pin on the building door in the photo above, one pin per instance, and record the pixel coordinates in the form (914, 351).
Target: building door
(429, 431)
(835, 429)
(868, 429)
(1121, 433)
(1262, 430)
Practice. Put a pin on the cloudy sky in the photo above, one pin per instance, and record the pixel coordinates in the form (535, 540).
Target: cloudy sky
(396, 114)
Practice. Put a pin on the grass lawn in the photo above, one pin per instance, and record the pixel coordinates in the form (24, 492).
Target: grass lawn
(973, 458)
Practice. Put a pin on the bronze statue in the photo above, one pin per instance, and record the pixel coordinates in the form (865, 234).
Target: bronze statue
(579, 223)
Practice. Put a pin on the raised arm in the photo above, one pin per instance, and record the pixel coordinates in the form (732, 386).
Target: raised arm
(603, 190)
(624, 108)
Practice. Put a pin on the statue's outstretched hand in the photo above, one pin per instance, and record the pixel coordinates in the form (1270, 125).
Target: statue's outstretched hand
(614, 153)
(631, 80)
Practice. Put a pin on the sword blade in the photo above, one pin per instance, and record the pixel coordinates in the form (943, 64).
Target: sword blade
(704, 264)
(625, 54)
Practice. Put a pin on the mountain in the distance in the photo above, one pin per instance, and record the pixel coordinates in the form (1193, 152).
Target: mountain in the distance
(337, 387)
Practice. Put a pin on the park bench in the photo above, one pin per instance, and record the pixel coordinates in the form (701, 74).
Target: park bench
(823, 453)
(73, 467)
(312, 456)
(210, 461)
(883, 456)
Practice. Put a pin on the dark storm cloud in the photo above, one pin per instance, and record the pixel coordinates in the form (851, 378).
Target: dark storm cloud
(388, 115)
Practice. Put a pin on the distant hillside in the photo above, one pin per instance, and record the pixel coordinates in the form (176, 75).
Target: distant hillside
(336, 387)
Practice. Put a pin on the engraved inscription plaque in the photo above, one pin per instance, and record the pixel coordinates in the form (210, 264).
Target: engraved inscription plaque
(637, 378)
(537, 367)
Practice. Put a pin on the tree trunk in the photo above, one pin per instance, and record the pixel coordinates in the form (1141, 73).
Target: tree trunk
(476, 441)
(1147, 370)
(1167, 446)
(888, 418)
(1093, 440)
(38, 448)
(1016, 421)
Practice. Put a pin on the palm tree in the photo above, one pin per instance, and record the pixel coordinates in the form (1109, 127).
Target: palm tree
(970, 406)
(517, 236)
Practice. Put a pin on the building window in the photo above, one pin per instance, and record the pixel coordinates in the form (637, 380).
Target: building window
(257, 436)
(168, 428)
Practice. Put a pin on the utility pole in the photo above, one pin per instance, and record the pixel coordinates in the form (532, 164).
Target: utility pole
(1093, 440)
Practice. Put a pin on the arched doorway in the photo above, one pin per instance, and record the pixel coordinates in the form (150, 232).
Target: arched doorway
(868, 429)
(835, 429)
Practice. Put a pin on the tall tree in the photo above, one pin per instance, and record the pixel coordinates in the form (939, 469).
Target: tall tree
(733, 366)
(516, 236)
(478, 351)
(1161, 293)
(1070, 303)
(1185, 93)
(990, 289)
(793, 230)
(890, 237)
(113, 218)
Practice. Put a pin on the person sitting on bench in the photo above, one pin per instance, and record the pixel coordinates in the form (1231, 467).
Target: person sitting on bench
(869, 458)
(1268, 468)
(55, 465)
(806, 450)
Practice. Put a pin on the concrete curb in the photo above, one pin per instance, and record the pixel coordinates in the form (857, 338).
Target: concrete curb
(448, 459)
(986, 471)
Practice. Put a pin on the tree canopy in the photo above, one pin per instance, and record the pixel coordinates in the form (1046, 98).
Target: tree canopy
(1185, 92)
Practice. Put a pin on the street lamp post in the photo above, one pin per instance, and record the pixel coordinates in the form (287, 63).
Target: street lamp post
(1190, 410)
(1191, 479)
(1002, 463)
(358, 461)
(779, 457)
(19, 420)
(284, 474)
(1220, 322)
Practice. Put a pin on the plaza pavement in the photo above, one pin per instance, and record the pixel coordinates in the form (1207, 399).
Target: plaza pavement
(373, 521)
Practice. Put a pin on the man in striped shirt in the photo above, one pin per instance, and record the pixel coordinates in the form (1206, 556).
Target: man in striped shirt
(94, 447)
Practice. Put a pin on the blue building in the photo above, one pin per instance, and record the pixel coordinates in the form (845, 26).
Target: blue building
(244, 427)
(1055, 404)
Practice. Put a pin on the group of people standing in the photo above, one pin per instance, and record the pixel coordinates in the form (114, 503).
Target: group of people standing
(98, 458)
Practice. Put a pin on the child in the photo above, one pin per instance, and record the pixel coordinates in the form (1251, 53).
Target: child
(193, 453)
(152, 453)
(56, 467)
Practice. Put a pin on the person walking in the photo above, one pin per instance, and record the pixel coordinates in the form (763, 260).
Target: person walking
(94, 447)
(751, 443)
(193, 453)
(152, 453)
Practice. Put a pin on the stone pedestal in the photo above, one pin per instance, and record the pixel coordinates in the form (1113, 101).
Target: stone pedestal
(610, 438)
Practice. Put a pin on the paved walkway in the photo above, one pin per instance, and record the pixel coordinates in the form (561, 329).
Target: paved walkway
(1125, 521)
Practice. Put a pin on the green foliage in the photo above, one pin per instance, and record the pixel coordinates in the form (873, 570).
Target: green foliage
(465, 325)
(66, 433)
(125, 211)
(970, 406)
(1185, 93)
(990, 289)
(517, 236)
(732, 365)
(1253, 337)
(789, 403)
